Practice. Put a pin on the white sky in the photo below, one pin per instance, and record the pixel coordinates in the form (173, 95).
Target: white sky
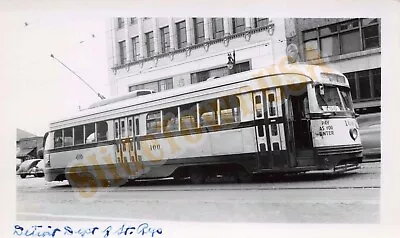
(45, 89)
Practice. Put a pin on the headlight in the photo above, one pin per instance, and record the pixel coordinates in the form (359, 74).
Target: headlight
(353, 133)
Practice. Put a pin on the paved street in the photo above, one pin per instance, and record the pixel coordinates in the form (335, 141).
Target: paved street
(310, 198)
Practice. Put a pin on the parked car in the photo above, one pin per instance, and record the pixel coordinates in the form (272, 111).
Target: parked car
(38, 170)
(370, 133)
(28, 167)
(19, 162)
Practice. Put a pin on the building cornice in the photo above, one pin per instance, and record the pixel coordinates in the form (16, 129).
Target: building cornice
(246, 34)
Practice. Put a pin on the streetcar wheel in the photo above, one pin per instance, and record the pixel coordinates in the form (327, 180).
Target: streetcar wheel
(23, 175)
(244, 177)
(197, 176)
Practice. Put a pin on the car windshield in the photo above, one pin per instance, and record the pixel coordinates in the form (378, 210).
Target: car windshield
(332, 98)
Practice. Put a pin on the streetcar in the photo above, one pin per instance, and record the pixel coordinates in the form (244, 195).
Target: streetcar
(281, 119)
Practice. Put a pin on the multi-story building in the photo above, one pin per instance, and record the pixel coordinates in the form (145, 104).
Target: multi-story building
(350, 45)
(165, 53)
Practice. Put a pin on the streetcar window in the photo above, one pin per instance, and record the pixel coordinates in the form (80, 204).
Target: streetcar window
(259, 110)
(272, 108)
(123, 128)
(230, 109)
(130, 127)
(68, 138)
(78, 135)
(137, 131)
(188, 116)
(170, 119)
(153, 122)
(260, 131)
(258, 99)
(274, 130)
(89, 133)
(102, 129)
(116, 129)
(58, 139)
(208, 113)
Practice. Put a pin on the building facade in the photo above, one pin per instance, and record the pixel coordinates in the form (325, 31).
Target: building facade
(165, 53)
(351, 45)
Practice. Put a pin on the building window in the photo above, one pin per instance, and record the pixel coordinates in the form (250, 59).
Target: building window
(341, 38)
(238, 25)
(350, 42)
(133, 20)
(198, 30)
(122, 56)
(181, 34)
(260, 22)
(376, 79)
(165, 84)
(370, 28)
(329, 46)
(149, 44)
(157, 86)
(217, 72)
(121, 22)
(365, 85)
(217, 27)
(165, 45)
(135, 48)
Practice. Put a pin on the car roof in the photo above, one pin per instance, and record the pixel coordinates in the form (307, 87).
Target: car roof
(28, 163)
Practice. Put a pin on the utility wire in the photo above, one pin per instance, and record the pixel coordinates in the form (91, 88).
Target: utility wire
(98, 94)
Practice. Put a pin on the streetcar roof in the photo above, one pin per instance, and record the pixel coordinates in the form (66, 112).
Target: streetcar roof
(310, 71)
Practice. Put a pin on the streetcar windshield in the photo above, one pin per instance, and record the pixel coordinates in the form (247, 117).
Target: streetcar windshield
(333, 98)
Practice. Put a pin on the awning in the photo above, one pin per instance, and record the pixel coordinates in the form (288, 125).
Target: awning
(24, 152)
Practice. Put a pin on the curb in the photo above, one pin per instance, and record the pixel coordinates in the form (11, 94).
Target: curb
(372, 158)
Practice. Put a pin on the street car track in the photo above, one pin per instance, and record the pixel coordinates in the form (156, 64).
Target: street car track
(192, 188)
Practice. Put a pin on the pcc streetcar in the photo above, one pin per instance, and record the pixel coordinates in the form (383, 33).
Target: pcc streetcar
(281, 119)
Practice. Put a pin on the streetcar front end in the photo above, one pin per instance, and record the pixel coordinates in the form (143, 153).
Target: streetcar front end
(333, 124)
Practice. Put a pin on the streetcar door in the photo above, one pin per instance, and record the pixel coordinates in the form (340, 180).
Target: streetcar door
(120, 138)
(130, 140)
(261, 136)
(270, 131)
(136, 143)
(274, 120)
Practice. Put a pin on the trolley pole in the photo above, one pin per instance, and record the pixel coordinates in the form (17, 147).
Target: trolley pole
(97, 93)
